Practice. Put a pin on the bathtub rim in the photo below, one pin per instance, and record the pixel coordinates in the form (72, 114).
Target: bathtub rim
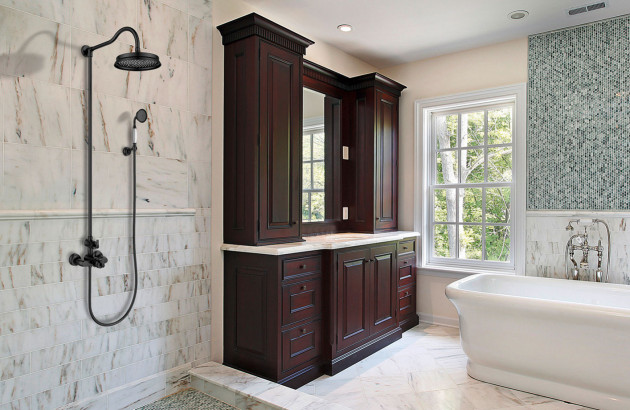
(455, 292)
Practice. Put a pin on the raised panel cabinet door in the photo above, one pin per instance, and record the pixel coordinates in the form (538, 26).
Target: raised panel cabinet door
(386, 161)
(383, 286)
(280, 142)
(353, 275)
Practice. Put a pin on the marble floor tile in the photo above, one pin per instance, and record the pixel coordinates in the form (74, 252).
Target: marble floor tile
(425, 370)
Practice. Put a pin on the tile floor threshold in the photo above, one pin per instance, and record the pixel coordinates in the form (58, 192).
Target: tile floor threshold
(425, 370)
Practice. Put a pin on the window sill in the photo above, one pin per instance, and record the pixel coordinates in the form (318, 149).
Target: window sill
(457, 272)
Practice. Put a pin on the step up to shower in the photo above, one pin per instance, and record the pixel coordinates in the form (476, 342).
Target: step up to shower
(246, 391)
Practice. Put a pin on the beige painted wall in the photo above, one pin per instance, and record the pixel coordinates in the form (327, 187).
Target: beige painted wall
(486, 67)
(320, 53)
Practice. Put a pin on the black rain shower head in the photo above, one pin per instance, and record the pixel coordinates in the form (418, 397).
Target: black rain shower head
(137, 61)
(134, 61)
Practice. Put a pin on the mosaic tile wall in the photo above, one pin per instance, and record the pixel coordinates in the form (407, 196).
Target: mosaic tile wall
(51, 353)
(578, 139)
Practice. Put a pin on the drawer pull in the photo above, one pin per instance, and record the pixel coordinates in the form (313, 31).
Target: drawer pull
(303, 330)
(405, 262)
(303, 287)
(405, 248)
(303, 266)
(406, 293)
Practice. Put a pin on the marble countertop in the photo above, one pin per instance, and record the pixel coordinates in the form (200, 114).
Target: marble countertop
(322, 242)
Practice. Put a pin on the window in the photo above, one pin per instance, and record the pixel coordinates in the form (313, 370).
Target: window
(313, 173)
(472, 209)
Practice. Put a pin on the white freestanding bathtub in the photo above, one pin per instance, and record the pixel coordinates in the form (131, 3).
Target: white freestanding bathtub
(564, 339)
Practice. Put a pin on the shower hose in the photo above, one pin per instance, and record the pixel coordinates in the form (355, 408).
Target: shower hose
(135, 258)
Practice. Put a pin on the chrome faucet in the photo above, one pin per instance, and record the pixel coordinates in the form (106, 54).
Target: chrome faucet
(579, 242)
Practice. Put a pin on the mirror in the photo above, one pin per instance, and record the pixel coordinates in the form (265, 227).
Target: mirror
(313, 157)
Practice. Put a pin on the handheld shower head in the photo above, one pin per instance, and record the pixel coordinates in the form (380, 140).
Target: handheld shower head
(141, 116)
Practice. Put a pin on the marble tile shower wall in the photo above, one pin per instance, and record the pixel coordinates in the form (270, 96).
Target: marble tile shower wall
(51, 354)
(547, 239)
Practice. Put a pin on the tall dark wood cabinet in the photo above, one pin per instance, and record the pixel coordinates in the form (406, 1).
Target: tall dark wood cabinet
(373, 203)
(262, 131)
(290, 318)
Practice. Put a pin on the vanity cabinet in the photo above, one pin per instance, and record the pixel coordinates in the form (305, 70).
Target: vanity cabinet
(262, 131)
(273, 310)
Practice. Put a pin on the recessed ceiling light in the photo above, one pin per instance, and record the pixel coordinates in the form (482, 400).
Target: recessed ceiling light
(344, 27)
(518, 14)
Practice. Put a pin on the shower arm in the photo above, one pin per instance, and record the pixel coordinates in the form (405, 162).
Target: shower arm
(87, 50)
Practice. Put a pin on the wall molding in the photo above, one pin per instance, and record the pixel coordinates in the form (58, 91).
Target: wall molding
(96, 213)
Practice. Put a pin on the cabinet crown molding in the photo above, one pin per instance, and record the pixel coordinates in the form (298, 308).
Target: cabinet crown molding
(333, 78)
(256, 25)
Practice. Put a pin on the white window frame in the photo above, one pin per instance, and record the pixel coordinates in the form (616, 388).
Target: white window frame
(424, 108)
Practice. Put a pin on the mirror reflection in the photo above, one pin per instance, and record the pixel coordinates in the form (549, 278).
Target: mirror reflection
(313, 158)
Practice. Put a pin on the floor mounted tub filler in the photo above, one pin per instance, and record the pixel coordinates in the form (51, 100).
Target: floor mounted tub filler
(564, 339)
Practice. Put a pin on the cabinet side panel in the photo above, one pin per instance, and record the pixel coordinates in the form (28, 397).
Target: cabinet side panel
(240, 139)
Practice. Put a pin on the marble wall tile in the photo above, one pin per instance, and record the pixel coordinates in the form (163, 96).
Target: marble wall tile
(34, 47)
(35, 113)
(36, 177)
(200, 8)
(165, 86)
(199, 190)
(45, 330)
(200, 99)
(104, 17)
(14, 277)
(106, 78)
(199, 137)
(112, 120)
(15, 366)
(200, 41)
(162, 183)
(111, 178)
(56, 10)
(163, 29)
(165, 132)
(13, 322)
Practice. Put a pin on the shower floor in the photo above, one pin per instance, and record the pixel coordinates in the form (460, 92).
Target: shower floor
(190, 399)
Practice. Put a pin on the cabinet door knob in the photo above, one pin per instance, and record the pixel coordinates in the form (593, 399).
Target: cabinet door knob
(293, 223)
(303, 330)
(405, 248)
(303, 266)
(405, 262)
(377, 218)
(406, 293)
(303, 287)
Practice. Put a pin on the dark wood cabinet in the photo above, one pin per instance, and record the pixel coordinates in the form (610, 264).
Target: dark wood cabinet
(263, 131)
(273, 316)
(386, 162)
(383, 288)
(353, 298)
(291, 318)
(374, 202)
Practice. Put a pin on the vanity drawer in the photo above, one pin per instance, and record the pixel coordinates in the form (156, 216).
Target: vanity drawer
(407, 246)
(301, 344)
(296, 267)
(302, 300)
(406, 271)
(406, 301)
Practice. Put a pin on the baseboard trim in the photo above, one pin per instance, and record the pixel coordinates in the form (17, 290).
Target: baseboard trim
(438, 320)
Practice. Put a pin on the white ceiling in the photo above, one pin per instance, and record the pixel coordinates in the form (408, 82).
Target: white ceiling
(391, 32)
